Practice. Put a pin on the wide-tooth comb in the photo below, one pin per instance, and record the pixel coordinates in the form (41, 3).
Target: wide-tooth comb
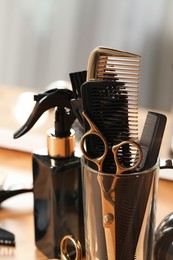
(109, 64)
(106, 102)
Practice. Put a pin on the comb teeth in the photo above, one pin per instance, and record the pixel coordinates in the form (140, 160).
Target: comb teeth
(6, 238)
(120, 113)
(125, 69)
(108, 109)
(109, 100)
(114, 65)
(114, 108)
(120, 69)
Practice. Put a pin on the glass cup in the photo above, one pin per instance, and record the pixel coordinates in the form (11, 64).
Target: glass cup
(123, 205)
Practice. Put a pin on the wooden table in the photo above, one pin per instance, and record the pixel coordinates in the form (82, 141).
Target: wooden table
(16, 214)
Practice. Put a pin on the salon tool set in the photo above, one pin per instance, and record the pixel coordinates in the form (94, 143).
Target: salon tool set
(110, 190)
(108, 99)
(107, 108)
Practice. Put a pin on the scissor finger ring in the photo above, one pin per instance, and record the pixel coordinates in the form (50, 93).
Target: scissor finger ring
(64, 247)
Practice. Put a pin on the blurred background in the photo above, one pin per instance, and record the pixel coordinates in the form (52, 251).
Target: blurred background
(43, 41)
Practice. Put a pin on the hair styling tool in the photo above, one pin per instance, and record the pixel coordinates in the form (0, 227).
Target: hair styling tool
(114, 109)
(120, 168)
(14, 190)
(114, 65)
(107, 64)
(77, 79)
(150, 143)
(107, 196)
(106, 103)
(151, 139)
(7, 238)
(109, 214)
(66, 240)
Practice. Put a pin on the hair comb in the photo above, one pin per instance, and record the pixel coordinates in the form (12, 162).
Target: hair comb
(77, 79)
(7, 238)
(113, 104)
(114, 65)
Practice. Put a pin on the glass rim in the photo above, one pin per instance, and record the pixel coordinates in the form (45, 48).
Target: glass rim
(131, 174)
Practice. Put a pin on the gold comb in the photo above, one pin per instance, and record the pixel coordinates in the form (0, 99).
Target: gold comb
(124, 67)
(105, 63)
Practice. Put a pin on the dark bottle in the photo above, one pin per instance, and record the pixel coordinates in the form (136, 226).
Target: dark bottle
(58, 205)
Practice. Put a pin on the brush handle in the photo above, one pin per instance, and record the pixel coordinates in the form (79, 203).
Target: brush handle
(6, 194)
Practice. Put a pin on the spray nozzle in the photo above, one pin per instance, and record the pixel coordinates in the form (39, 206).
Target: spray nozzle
(64, 117)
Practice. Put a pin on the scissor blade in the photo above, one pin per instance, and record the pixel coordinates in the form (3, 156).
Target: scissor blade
(108, 215)
(110, 238)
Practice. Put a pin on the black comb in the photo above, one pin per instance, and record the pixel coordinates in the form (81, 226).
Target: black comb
(77, 79)
(151, 139)
(150, 143)
(111, 110)
(7, 238)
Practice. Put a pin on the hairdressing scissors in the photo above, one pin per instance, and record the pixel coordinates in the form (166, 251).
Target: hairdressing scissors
(120, 168)
(108, 196)
(64, 248)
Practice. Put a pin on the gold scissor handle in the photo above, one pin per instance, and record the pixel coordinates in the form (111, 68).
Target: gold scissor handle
(64, 251)
(93, 131)
(121, 168)
(108, 216)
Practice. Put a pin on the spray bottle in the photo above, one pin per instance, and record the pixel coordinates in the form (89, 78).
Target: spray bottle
(58, 207)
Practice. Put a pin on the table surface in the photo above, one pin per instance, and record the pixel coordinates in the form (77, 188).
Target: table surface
(16, 214)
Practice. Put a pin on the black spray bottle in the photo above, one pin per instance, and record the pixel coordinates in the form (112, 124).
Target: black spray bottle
(58, 207)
